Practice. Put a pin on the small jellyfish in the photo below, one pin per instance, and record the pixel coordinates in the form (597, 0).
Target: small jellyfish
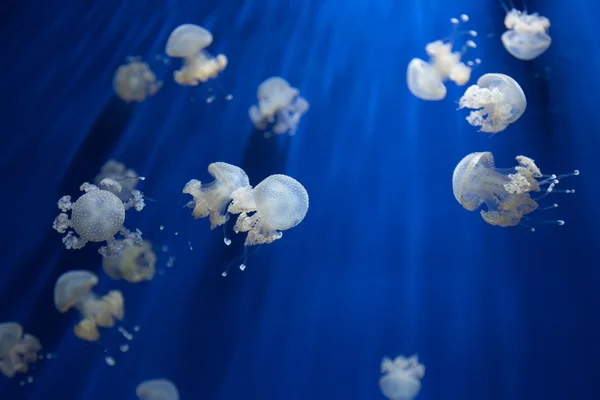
(188, 41)
(402, 377)
(497, 101)
(278, 104)
(135, 81)
(157, 389)
(17, 351)
(505, 192)
(527, 35)
(97, 216)
(135, 264)
(426, 79)
(213, 198)
(126, 177)
(74, 289)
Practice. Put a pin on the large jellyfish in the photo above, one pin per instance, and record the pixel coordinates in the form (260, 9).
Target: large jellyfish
(426, 79)
(402, 377)
(497, 101)
(97, 216)
(126, 177)
(505, 192)
(135, 81)
(74, 289)
(17, 351)
(527, 34)
(278, 104)
(188, 41)
(135, 264)
(157, 389)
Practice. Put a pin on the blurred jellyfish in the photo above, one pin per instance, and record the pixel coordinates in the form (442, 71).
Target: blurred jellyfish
(188, 41)
(74, 289)
(402, 377)
(527, 34)
(17, 351)
(126, 177)
(135, 264)
(97, 216)
(278, 104)
(426, 79)
(505, 192)
(157, 389)
(213, 198)
(498, 101)
(135, 81)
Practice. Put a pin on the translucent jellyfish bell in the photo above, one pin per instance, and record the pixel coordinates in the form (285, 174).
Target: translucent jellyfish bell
(402, 377)
(505, 192)
(157, 389)
(497, 100)
(17, 351)
(135, 81)
(135, 264)
(188, 41)
(527, 35)
(278, 104)
(126, 177)
(74, 289)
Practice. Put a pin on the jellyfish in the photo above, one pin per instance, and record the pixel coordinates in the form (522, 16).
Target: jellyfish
(213, 198)
(402, 377)
(188, 41)
(126, 177)
(17, 351)
(278, 104)
(135, 264)
(426, 79)
(506, 193)
(157, 389)
(527, 35)
(74, 289)
(97, 216)
(135, 81)
(497, 101)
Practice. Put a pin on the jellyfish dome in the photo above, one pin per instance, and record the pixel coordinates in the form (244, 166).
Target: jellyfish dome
(97, 216)
(126, 177)
(527, 35)
(497, 101)
(188, 41)
(157, 389)
(135, 81)
(278, 104)
(402, 377)
(504, 192)
(135, 264)
(17, 351)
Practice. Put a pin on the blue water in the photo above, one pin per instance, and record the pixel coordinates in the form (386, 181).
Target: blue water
(386, 261)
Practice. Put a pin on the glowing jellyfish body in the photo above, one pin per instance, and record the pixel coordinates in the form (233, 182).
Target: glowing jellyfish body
(505, 192)
(157, 389)
(74, 290)
(97, 216)
(278, 104)
(426, 80)
(126, 177)
(497, 101)
(17, 351)
(135, 81)
(402, 377)
(527, 35)
(135, 264)
(188, 41)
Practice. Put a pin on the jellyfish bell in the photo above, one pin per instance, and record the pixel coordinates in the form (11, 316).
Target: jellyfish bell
(135, 81)
(157, 389)
(402, 377)
(527, 35)
(497, 101)
(424, 81)
(17, 351)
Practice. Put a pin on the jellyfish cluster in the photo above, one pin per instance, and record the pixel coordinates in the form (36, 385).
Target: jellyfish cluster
(401, 378)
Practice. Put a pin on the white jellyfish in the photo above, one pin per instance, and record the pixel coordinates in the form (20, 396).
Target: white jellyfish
(135, 264)
(74, 289)
(157, 389)
(402, 377)
(497, 101)
(135, 81)
(505, 192)
(426, 79)
(126, 177)
(17, 351)
(278, 104)
(188, 41)
(97, 216)
(527, 35)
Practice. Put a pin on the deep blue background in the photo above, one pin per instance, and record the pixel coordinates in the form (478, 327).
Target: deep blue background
(386, 261)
